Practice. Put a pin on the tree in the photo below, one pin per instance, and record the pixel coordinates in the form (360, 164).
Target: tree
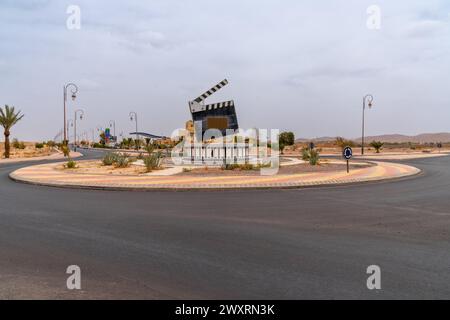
(8, 118)
(377, 145)
(286, 139)
(102, 138)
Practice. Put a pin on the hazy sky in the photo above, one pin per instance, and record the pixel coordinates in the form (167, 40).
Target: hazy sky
(294, 65)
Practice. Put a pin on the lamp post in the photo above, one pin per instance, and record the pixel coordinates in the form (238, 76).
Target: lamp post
(369, 99)
(69, 123)
(81, 112)
(99, 129)
(74, 90)
(133, 116)
(112, 123)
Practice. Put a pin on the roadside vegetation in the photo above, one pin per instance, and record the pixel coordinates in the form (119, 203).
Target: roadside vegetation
(377, 145)
(152, 160)
(8, 118)
(342, 143)
(312, 156)
(286, 139)
(66, 152)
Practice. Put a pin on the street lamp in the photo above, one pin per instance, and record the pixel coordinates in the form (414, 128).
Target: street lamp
(69, 123)
(369, 99)
(133, 116)
(81, 112)
(74, 91)
(112, 123)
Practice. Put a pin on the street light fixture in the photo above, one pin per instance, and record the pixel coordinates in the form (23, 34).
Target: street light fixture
(81, 112)
(74, 91)
(133, 116)
(368, 98)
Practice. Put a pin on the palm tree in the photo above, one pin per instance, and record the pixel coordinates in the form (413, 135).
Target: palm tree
(8, 118)
(377, 145)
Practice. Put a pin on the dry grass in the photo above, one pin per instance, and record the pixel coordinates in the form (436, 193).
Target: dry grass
(29, 152)
(96, 167)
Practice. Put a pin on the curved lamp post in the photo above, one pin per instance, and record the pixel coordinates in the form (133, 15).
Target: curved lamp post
(133, 116)
(74, 90)
(69, 123)
(368, 98)
(81, 115)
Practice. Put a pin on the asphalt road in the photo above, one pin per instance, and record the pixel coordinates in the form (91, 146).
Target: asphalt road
(280, 244)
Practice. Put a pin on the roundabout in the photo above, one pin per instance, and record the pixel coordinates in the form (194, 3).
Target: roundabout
(313, 243)
(93, 177)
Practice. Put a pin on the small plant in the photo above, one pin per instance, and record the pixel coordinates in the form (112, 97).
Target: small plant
(235, 166)
(18, 144)
(187, 170)
(50, 143)
(377, 145)
(342, 143)
(39, 145)
(71, 164)
(153, 161)
(311, 155)
(122, 161)
(109, 159)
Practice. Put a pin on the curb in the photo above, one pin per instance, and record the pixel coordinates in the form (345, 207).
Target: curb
(200, 188)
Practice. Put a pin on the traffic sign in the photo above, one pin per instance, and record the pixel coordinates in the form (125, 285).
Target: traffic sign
(347, 153)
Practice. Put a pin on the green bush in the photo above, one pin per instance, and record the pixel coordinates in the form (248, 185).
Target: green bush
(71, 164)
(234, 166)
(153, 161)
(122, 161)
(50, 143)
(109, 159)
(343, 143)
(377, 145)
(98, 145)
(18, 144)
(38, 145)
(311, 155)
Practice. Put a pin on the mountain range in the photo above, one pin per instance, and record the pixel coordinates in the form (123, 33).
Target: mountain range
(393, 138)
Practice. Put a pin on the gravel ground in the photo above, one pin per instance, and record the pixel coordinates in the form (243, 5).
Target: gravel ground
(301, 168)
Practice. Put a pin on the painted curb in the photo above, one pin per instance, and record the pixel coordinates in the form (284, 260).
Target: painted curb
(205, 187)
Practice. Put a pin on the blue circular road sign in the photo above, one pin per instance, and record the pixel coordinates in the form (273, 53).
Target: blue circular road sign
(348, 153)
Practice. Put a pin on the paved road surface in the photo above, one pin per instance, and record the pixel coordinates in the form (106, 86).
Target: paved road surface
(283, 244)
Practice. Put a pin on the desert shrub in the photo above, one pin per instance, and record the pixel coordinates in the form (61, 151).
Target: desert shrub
(71, 164)
(187, 170)
(305, 154)
(342, 143)
(234, 166)
(122, 160)
(50, 143)
(230, 166)
(109, 159)
(38, 145)
(311, 155)
(18, 144)
(153, 161)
